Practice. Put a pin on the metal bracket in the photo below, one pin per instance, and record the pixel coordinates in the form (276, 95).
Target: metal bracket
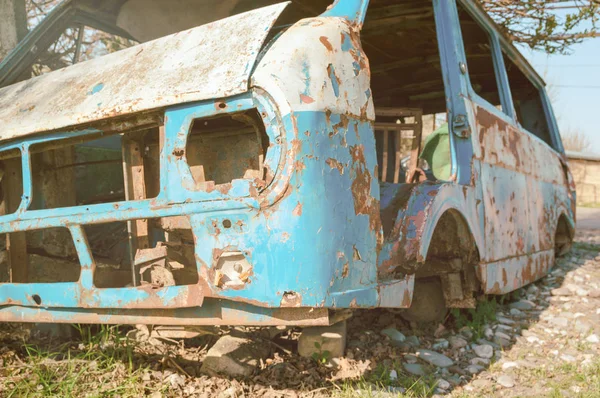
(460, 126)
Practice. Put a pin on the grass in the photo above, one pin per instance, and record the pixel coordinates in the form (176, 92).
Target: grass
(586, 246)
(475, 318)
(99, 365)
(379, 381)
(585, 380)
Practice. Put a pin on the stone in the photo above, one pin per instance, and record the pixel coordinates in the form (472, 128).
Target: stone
(395, 336)
(488, 333)
(594, 293)
(516, 312)
(582, 292)
(568, 358)
(505, 321)
(559, 321)
(487, 342)
(561, 291)
(506, 381)
(509, 365)
(455, 380)
(410, 358)
(414, 369)
(467, 332)
(532, 339)
(522, 305)
(234, 356)
(412, 341)
(393, 375)
(328, 338)
(480, 383)
(440, 344)
(593, 338)
(484, 350)
(502, 335)
(532, 289)
(474, 369)
(504, 328)
(457, 342)
(479, 361)
(582, 326)
(443, 384)
(434, 358)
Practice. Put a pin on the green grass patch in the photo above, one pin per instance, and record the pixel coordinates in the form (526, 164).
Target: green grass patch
(475, 318)
(379, 380)
(101, 364)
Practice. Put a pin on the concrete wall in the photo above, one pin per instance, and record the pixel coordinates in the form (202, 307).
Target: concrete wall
(586, 172)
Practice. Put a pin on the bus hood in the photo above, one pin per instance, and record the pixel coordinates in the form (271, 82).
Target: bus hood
(210, 61)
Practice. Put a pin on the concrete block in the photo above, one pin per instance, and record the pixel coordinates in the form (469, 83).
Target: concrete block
(235, 356)
(330, 338)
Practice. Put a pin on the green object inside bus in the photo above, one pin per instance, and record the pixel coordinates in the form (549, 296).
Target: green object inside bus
(436, 151)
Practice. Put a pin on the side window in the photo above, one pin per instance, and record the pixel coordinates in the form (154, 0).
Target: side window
(480, 61)
(528, 102)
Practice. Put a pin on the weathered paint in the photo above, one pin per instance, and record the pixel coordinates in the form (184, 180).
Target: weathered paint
(199, 65)
(321, 232)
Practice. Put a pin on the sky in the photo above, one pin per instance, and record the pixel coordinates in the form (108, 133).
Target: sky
(574, 87)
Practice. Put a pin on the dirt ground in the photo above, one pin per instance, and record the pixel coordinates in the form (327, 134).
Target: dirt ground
(543, 340)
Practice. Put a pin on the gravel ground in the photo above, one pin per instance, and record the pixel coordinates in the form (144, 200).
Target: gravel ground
(543, 340)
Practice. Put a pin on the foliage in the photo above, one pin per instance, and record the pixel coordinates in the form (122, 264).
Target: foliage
(62, 52)
(549, 25)
(574, 140)
(321, 356)
(475, 318)
(88, 367)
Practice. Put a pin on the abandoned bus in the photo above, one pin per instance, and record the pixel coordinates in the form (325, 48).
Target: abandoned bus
(279, 165)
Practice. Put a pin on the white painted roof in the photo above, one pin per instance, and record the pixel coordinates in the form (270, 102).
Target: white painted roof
(210, 61)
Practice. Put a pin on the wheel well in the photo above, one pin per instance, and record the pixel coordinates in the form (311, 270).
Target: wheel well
(563, 237)
(452, 256)
(451, 239)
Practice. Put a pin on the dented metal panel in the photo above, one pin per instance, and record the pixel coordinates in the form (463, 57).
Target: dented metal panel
(210, 61)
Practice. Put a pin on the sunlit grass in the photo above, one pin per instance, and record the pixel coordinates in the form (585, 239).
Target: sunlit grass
(101, 364)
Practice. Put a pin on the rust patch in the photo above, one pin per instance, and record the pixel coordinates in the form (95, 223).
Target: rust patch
(299, 165)
(334, 164)
(325, 41)
(345, 270)
(291, 299)
(364, 203)
(487, 120)
(297, 210)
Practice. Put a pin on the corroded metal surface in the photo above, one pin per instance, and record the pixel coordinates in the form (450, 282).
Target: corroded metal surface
(200, 65)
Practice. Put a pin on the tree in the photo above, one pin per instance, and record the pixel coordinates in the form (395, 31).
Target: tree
(64, 51)
(549, 25)
(575, 140)
(13, 26)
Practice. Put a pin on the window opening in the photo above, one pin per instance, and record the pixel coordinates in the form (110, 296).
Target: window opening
(161, 255)
(480, 61)
(528, 104)
(94, 171)
(400, 40)
(228, 147)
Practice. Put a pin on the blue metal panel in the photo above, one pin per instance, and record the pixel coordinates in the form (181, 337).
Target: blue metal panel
(352, 10)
